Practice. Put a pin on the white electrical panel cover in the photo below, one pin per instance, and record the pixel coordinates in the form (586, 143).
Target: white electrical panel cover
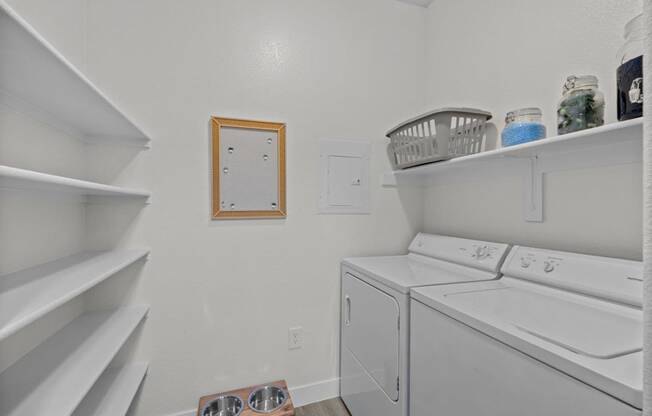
(344, 176)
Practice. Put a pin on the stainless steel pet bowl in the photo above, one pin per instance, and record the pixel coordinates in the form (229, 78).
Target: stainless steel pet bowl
(223, 406)
(266, 399)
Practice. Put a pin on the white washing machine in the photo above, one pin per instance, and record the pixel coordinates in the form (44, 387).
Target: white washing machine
(559, 334)
(375, 314)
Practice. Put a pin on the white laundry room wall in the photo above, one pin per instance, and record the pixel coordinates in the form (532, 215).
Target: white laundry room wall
(62, 22)
(223, 294)
(502, 55)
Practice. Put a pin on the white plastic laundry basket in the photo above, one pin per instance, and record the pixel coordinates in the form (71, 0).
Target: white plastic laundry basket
(438, 135)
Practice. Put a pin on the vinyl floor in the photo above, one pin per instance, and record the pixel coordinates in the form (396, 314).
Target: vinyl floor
(332, 407)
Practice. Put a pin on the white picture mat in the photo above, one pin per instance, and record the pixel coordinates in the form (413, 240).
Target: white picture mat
(251, 181)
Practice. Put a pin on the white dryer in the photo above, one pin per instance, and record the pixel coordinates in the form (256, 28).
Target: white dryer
(375, 314)
(559, 334)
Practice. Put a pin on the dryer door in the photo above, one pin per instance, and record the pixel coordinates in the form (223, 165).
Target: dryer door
(370, 331)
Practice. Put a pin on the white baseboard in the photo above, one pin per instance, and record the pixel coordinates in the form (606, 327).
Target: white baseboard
(301, 395)
(315, 392)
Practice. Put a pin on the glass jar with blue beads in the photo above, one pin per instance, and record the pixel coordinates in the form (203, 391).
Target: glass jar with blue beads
(522, 126)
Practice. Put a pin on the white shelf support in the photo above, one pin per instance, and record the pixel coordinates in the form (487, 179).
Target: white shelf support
(533, 191)
(606, 154)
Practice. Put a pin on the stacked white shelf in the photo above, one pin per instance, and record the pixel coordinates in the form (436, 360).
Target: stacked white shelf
(69, 372)
(113, 392)
(54, 378)
(27, 295)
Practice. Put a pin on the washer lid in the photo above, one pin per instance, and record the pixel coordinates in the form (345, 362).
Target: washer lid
(581, 328)
(593, 340)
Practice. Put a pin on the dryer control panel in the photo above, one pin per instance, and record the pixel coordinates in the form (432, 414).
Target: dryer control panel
(605, 277)
(482, 255)
(545, 263)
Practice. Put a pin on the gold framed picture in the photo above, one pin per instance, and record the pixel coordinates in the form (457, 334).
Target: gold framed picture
(248, 169)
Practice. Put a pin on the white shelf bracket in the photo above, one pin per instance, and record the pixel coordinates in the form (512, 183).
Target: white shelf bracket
(533, 191)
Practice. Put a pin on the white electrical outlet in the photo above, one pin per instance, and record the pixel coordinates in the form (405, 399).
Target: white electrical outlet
(295, 338)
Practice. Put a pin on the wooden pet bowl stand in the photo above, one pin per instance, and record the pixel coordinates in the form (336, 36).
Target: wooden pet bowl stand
(286, 410)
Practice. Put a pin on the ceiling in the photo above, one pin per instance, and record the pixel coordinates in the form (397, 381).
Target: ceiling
(422, 3)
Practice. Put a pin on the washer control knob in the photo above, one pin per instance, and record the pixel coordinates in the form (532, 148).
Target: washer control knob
(525, 262)
(548, 266)
(481, 252)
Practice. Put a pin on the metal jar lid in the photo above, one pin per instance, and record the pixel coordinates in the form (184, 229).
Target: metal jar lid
(528, 111)
(579, 81)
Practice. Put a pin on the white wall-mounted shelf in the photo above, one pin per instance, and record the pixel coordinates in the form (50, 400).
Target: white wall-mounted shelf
(36, 78)
(616, 133)
(55, 377)
(29, 294)
(15, 178)
(113, 393)
(616, 143)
